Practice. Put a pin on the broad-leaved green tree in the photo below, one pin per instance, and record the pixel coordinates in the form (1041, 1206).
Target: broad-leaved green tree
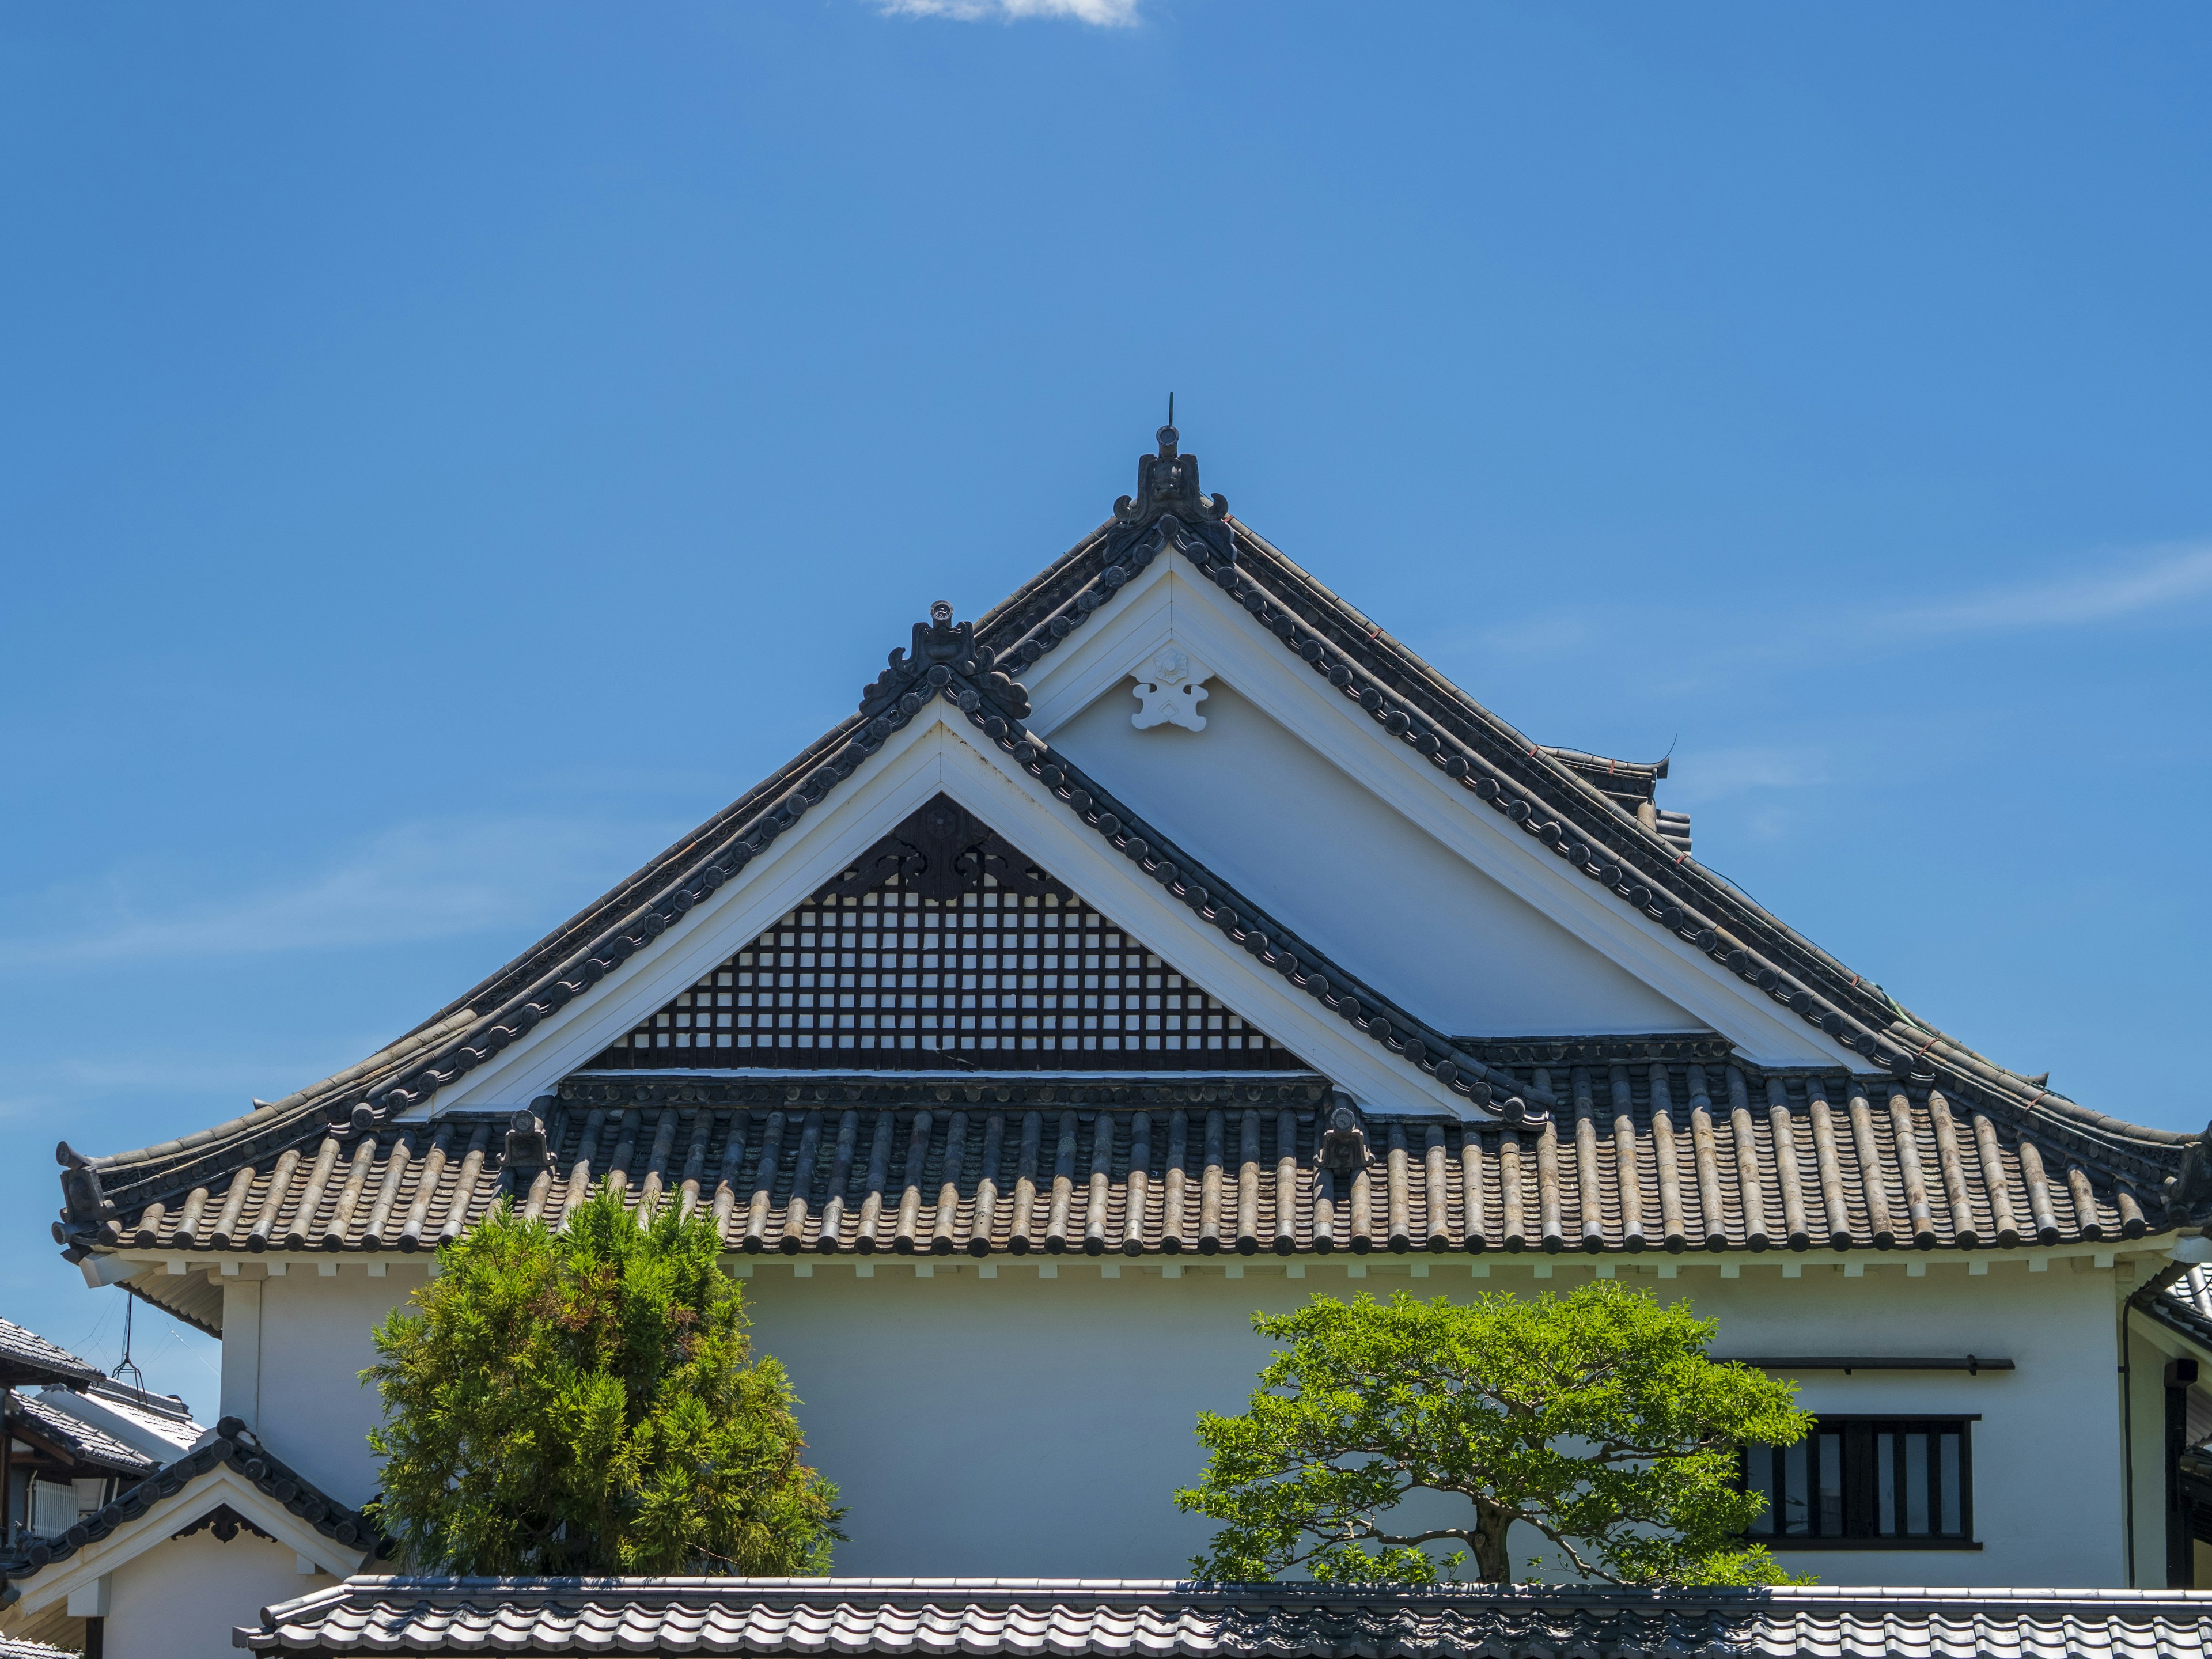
(1596, 1419)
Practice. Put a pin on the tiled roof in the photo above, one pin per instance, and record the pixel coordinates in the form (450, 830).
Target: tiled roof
(1038, 1617)
(10, 1650)
(1661, 1153)
(234, 1444)
(1566, 814)
(26, 1357)
(78, 1438)
(160, 1418)
(2185, 1305)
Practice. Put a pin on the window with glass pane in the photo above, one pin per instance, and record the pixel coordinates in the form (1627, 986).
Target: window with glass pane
(1867, 1483)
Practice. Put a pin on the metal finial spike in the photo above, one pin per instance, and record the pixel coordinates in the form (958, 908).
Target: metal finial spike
(1170, 408)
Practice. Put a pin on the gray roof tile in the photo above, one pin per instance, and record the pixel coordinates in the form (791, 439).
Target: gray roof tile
(1024, 1618)
(80, 1438)
(26, 1357)
(1678, 1148)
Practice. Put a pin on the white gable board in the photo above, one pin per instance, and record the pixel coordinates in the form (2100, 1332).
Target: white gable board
(1375, 892)
(1591, 965)
(940, 752)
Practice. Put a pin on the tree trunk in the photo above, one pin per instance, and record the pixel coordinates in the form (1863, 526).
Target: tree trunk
(1494, 1562)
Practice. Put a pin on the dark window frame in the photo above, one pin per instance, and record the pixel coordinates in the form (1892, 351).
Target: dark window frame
(1857, 1438)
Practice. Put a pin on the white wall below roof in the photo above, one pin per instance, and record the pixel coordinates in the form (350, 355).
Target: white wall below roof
(182, 1599)
(315, 1411)
(1358, 878)
(1029, 1428)
(1025, 1427)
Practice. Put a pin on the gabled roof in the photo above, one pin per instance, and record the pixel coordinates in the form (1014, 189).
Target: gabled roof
(1547, 794)
(76, 1440)
(27, 1357)
(1166, 1617)
(234, 1447)
(159, 1424)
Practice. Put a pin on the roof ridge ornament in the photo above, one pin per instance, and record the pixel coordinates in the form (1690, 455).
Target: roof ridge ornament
(1167, 487)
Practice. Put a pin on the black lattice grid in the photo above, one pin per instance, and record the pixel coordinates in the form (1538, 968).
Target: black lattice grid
(989, 981)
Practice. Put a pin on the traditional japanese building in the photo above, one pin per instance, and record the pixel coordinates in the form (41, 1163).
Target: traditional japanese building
(1171, 941)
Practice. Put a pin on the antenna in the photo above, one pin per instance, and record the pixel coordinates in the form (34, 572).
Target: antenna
(125, 1364)
(1170, 408)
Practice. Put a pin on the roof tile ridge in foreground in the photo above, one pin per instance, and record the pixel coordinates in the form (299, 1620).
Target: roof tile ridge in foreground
(1669, 866)
(242, 1449)
(366, 1586)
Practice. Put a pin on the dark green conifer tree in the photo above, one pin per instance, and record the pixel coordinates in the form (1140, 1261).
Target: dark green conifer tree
(587, 1401)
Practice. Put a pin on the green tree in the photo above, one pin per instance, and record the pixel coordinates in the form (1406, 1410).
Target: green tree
(586, 1401)
(1595, 1418)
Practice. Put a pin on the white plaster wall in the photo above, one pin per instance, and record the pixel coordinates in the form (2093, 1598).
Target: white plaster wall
(182, 1599)
(312, 1409)
(1357, 879)
(1026, 1426)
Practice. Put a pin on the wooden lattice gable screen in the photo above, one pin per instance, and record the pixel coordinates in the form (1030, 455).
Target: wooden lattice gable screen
(942, 947)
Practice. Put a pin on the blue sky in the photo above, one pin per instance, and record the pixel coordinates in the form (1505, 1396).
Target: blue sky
(445, 453)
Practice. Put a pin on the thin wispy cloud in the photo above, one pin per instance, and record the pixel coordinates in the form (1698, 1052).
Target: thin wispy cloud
(1101, 13)
(2165, 584)
(415, 882)
(1699, 777)
(2156, 580)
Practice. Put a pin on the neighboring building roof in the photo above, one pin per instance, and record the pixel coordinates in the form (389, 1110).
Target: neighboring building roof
(40, 1418)
(235, 1446)
(2184, 1305)
(1716, 1155)
(1147, 1617)
(10, 1650)
(27, 1357)
(1549, 797)
(158, 1424)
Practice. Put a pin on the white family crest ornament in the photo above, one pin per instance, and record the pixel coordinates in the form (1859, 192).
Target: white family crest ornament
(1171, 687)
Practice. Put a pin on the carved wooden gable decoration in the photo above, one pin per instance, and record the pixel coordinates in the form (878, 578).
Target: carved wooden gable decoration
(944, 948)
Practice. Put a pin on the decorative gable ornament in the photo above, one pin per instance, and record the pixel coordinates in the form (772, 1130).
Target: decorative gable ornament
(1170, 686)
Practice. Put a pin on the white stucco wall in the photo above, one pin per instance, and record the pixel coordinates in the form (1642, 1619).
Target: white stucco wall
(1020, 1426)
(307, 1401)
(182, 1599)
(1359, 879)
